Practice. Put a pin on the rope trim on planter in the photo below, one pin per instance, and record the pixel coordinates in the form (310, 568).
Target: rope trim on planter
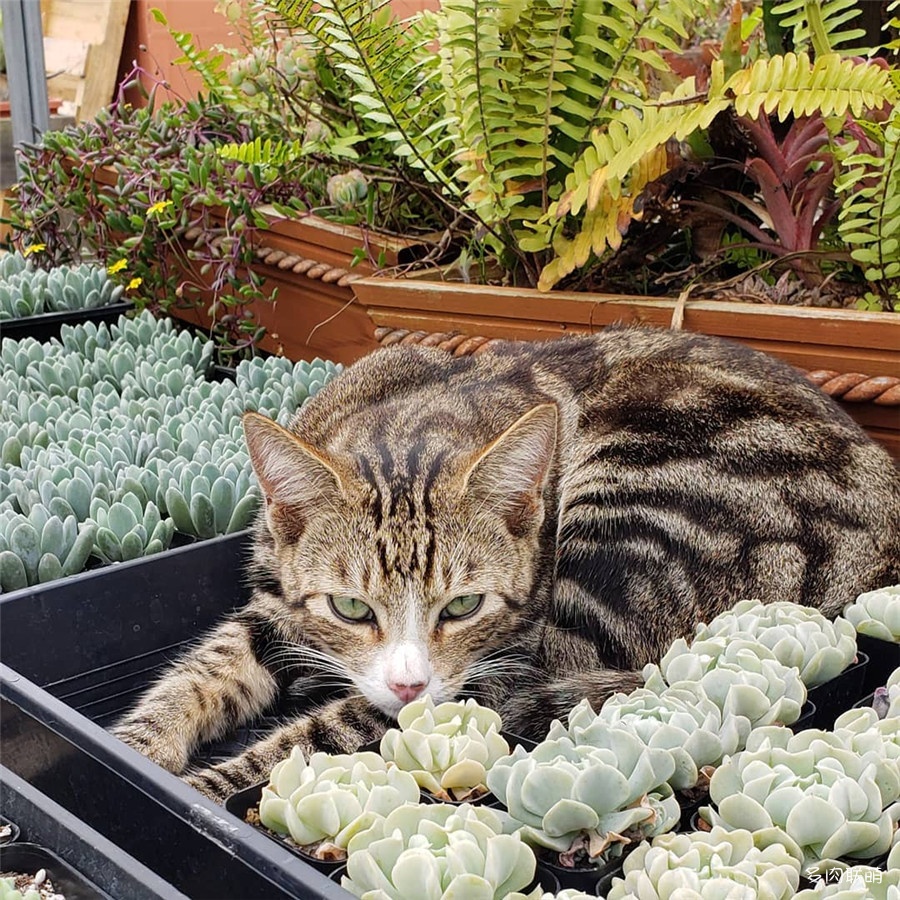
(851, 387)
(299, 265)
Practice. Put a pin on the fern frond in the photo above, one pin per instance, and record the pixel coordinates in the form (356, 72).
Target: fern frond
(395, 72)
(613, 172)
(792, 85)
(818, 25)
(869, 181)
(262, 153)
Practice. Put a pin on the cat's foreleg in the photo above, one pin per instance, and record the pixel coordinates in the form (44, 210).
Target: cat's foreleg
(530, 710)
(216, 687)
(341, 726)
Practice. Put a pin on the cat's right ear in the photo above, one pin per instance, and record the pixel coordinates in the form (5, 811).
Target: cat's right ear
(294, 478)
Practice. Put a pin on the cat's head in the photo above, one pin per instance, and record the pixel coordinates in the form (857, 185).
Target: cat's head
(410, 562)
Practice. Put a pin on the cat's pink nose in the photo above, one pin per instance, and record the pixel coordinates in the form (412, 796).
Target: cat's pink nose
(407, 692)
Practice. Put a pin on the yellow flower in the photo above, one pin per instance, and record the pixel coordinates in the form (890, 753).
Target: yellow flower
(158, 207)
(117, 266)
(33, 248)
(135, 283)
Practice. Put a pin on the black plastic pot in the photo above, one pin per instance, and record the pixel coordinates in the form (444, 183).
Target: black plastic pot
(884, 657)
(808, 714)
(242, 802)
(840, 693)
(47, 824)
(588, 879)
(48, 325)
(28, 859)
(76, 654)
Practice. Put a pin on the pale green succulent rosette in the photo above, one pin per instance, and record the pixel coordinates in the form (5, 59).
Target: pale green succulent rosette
(741, 676)
(681, 720)
(710, 865)
(597, 799)
(797, 636)
(858, 883)
(322, 803)
(448, 748)
(438, 852)
(877, 613)
(863, 732)
(8, 891)
(825, 801)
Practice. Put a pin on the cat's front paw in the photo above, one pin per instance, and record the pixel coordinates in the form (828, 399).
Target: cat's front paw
(165, 752)
(212, 783)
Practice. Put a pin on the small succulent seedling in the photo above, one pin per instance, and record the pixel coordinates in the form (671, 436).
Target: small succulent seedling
(877, 613)
(824, 801)
(682, 720)
(126, 531)
(714, 864)
(588, 802)
(9, 891)
(797, 636)
(321, 804)
(438, 852)
(741, 676)
(448, 748)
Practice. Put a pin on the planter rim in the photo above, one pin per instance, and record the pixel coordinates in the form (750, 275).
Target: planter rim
(381, 292)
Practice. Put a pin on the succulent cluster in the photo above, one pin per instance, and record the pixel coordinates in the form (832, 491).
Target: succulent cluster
(822, 800)
(448, 748)
(347, 189)
(714, 865)
(797, 636)
(877, 613)
(112, 439)
(587, 803)
(28, 291)
(741, 676)
(438, 852)
(322, 803)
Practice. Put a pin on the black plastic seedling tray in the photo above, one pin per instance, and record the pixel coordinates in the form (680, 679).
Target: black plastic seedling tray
(76, 654)
(110, 871)
(49, 325)
(30, 859)
(840, 693)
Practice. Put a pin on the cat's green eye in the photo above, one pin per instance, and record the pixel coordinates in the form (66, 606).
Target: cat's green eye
(350, 608)
(460, 607)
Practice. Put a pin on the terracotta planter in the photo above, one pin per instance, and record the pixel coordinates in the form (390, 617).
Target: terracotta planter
(310, 261)
(854, 356)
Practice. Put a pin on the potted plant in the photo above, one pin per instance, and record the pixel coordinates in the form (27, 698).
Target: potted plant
(584, 806)
(797, 789)
(438, 851)
(689, 862)
(448, 748)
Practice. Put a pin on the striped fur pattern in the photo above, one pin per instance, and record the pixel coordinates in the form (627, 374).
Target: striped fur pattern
(601, 494)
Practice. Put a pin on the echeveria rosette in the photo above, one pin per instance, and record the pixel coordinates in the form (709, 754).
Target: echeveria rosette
(681, 719)
(863, 731)
(321, 803)
(877, 613)
(857, 883)
(595, 799)
(438, 852)
(709, 866)
(825, 801)
(448, 748)
(742, 677)
(797, 636)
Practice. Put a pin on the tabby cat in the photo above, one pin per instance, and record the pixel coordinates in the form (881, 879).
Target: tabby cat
(529, 527)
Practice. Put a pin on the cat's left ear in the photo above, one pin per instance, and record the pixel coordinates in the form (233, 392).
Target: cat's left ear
(510, 473)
